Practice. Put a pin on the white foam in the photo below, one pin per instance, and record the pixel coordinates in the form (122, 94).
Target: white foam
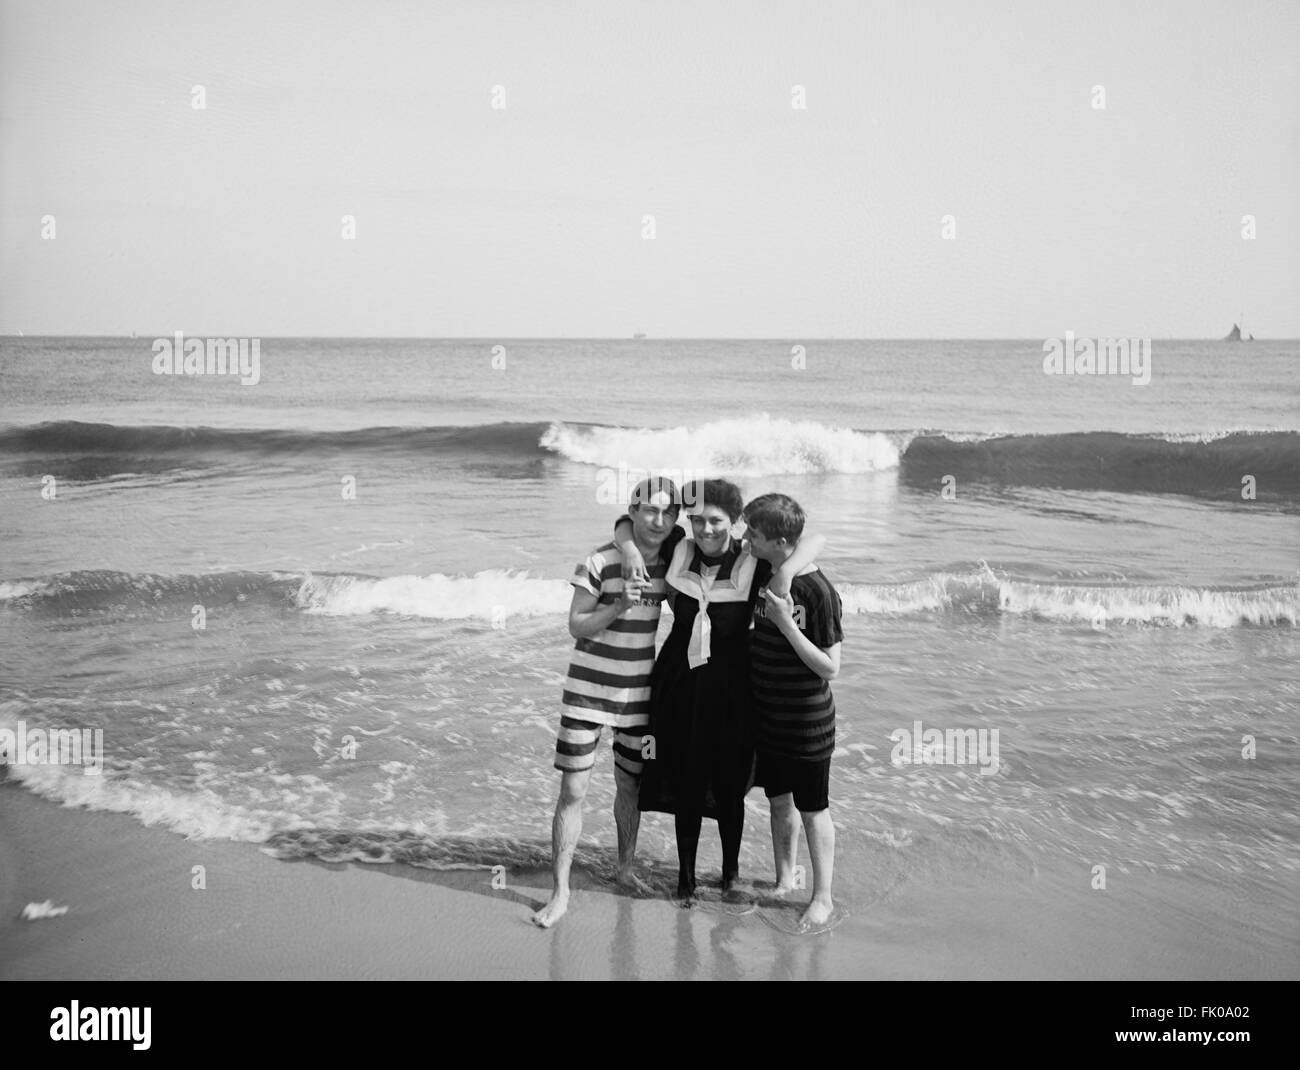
(756, 445)
(1152, 604)
(1177, 606)
(494, 594)
(972, 436)
(1203, 437)
(922, 596)
(202, 815)
(21, 588)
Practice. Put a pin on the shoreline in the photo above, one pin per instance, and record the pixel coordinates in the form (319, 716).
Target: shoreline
(133, 915)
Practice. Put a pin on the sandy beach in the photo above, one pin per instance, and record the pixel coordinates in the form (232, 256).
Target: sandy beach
(133, 915)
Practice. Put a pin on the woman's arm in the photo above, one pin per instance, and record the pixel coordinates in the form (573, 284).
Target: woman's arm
(805, 553)
(633, 562)
(634, 566)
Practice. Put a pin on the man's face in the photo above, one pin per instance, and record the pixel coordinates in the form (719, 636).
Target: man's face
(653, 519)
(710, 526)
(763, 547)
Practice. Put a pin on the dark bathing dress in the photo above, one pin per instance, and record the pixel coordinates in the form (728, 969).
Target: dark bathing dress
(702, 718)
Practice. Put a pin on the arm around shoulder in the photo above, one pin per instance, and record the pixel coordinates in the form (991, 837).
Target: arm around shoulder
(804, 554)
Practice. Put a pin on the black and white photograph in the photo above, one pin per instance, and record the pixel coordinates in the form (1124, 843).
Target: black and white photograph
(650, 491)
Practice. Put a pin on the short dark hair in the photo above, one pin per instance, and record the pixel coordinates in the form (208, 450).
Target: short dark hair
(776, 516)
(649, 487)
(718, 492)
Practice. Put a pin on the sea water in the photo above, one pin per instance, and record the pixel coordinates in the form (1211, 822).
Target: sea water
(325, 612)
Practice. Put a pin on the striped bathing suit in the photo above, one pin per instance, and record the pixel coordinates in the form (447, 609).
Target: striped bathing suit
(609, 674)
(793, 706)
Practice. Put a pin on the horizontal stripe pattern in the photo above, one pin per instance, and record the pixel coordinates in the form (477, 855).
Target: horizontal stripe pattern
(794, 708)
(575, 747)
(608, 681)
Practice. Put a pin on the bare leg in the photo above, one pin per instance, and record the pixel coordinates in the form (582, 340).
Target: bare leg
(565, 830)
(627, 819)
(785, 841)
(821, 845)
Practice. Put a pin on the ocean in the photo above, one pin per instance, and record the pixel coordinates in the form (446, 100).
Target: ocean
(324, 613)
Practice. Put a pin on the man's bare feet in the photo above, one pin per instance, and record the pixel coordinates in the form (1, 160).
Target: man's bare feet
(817, 915)
(553, 911)
(781, 891)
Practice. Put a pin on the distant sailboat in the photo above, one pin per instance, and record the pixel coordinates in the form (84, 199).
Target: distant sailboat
(635, 336)
(1237, 335)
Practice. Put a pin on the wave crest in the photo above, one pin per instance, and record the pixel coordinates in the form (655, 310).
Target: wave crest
(493, 594)
(1157, 604)
(757, 445)
(498, 594)
(1211, 466)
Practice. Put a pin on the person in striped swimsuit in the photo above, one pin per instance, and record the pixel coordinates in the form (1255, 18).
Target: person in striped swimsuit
(794, 655)
(614, 624)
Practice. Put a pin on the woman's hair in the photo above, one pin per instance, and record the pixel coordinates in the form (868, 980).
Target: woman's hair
(717, 492)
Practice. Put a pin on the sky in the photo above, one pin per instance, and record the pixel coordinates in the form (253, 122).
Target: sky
(124, 208)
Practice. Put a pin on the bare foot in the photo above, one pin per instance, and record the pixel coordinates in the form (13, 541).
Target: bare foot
(553, 911)
(781, 891)
(627, 879)
(817, 915)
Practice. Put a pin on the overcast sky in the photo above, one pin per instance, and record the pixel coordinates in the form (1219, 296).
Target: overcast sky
(769, 220)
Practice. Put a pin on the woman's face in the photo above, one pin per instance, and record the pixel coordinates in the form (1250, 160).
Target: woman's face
(711, 528)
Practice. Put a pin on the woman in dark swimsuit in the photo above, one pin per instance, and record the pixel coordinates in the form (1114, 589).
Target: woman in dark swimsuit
(700, 719)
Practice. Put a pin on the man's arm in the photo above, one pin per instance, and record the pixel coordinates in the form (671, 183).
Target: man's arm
(587, 617)
(805, 553)
(824, 661)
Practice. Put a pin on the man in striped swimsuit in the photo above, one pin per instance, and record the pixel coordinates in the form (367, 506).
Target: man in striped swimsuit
(614, 624)
(794, 655)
